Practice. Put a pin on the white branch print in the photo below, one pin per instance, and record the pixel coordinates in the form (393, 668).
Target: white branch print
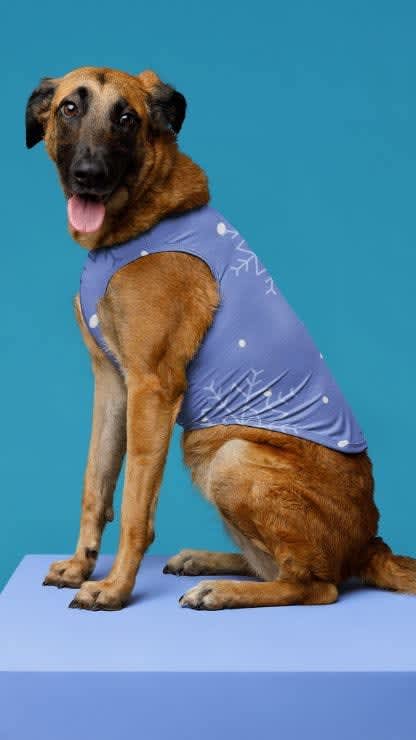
(247, 260)
(239, 404)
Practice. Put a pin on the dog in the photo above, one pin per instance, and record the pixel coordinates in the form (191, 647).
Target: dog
(298, 504)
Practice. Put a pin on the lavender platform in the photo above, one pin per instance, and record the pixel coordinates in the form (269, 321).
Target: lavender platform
(155, 670)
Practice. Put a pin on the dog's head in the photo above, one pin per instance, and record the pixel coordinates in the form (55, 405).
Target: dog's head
(100, 127)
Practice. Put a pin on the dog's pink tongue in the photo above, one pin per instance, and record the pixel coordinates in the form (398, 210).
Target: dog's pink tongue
(85, 215)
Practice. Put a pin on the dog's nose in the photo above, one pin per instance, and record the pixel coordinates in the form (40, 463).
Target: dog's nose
(89, 173)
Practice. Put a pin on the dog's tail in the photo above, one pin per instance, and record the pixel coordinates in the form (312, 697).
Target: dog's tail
(383, 569)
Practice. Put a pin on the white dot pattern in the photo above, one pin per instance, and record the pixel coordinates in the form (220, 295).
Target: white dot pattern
(93, 322)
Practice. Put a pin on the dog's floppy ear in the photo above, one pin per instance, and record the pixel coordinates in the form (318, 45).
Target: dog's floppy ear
(167, 106)
(37, 110)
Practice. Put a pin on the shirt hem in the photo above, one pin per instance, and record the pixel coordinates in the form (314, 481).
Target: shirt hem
(350, 448)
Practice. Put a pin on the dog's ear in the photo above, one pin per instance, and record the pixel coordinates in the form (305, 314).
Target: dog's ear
(37, 110)
(167, 106)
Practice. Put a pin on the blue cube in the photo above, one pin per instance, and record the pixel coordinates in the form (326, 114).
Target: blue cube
(154, 670)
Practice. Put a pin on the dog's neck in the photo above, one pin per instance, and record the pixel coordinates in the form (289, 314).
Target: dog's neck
(169, 182)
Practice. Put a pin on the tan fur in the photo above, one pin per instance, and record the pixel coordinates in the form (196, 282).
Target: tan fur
(168, 181)
(302, 514)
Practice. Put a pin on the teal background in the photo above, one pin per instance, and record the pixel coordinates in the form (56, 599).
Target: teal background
(304, 116)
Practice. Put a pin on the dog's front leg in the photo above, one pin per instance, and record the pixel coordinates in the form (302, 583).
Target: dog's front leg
(151, 413)
(107, 448)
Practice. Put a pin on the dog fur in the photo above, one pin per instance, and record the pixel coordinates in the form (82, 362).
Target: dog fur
(303, 515)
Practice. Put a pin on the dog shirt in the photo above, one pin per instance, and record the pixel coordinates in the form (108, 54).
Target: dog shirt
(257, 365)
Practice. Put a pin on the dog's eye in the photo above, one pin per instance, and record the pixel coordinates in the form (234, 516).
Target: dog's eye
(127, 120)
(69, 109)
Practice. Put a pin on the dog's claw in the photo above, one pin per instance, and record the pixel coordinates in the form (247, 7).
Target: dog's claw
(74, 604)
(165, 569)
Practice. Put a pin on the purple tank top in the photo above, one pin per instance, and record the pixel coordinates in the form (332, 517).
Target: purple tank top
(257, 365)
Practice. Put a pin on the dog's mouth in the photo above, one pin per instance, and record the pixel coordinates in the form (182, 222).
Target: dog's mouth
(85, 213)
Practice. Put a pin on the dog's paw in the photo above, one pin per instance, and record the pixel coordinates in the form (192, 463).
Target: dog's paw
(69, 573)
(205, 595)
(186, 563)
(102, 595)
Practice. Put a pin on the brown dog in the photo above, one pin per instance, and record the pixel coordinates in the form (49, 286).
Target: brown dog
(302, 514)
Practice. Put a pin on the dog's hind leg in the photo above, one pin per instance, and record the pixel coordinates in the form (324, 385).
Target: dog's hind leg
(238, 594)
(285, 581)
(299, 519)
(203, 562)
(107, 448)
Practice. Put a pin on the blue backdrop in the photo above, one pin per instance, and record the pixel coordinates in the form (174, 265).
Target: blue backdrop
(304, 116)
